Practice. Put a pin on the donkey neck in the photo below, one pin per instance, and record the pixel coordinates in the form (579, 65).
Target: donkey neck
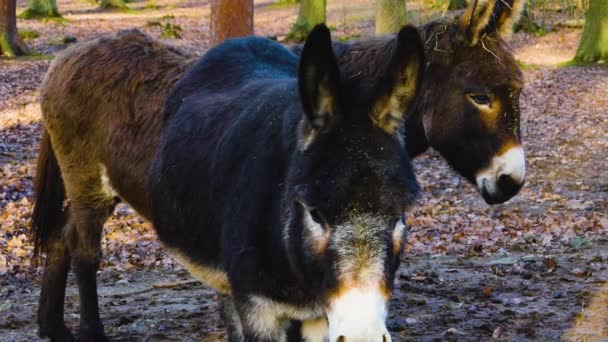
(365, 62)
(437, 37)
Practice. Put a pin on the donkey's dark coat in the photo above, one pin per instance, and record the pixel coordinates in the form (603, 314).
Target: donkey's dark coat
(102, 99)
(459, 71)
(231, 180)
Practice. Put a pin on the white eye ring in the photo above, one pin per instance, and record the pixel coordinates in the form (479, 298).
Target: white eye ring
(316, 229)
(398, 234)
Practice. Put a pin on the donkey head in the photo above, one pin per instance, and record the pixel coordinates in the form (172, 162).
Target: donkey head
(470, 103)
(349, 183)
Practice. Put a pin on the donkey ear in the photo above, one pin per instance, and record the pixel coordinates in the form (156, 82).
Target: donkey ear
(483, 16)
(318, 81)
(397, 89)
(506, 14)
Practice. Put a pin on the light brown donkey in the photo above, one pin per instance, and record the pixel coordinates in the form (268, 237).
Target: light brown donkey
(102, 104)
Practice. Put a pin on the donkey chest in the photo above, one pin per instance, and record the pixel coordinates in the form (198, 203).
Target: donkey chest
(269, 308)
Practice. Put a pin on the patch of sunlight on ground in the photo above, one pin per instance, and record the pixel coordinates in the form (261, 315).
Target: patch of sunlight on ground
(22, 115)
(591, 324)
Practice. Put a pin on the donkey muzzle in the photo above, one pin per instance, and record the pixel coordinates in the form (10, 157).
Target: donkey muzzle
(504, 177)
(358, 315)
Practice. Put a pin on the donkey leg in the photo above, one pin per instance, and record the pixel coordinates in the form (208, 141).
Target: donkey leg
(231, 319)
(89, 217)
(260, 321)
(52, 293)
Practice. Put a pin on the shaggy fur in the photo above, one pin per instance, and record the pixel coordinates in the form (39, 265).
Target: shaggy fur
(445, 116)
(101, 102)
(231, 189)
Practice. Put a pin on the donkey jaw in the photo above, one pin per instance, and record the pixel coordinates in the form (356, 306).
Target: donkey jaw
(504, 177)
(358, 314)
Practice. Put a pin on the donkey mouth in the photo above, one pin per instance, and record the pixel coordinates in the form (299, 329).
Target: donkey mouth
(500, 194)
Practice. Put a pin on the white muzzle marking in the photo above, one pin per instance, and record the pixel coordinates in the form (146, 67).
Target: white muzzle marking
(358, 315)
(511, 163)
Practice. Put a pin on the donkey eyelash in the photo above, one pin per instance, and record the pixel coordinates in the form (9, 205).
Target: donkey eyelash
(481, 99)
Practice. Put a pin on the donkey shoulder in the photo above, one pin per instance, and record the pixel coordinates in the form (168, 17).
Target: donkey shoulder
(232, 65)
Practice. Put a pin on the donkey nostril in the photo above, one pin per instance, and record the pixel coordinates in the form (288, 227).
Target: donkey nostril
(384, 338)
(507, 184)
(341, 339)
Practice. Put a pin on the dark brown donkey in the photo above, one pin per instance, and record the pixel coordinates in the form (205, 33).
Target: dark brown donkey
(469, 104)
(102, 103)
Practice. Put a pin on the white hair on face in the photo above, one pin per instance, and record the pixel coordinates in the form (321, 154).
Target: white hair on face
(359, 314)
(361, 249)
(511, 163)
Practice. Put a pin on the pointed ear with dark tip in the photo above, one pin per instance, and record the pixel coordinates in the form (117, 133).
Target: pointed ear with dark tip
(318, 81)
(396, 91)
(475, 20)
(489, 16)
(505, 16)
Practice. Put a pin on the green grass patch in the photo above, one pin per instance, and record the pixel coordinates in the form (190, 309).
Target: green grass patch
(31, 14)
(36, 56)
(151, 5)
(167, 28)
(526, 66)
(56, 20)
(578, 63)
(171, 31)
(282, 4)
(28, 34)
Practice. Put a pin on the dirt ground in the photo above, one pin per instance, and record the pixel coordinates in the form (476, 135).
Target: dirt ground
(522, 297)
(533, 269)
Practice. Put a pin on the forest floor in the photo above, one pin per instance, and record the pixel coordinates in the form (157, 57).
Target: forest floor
(535, 268)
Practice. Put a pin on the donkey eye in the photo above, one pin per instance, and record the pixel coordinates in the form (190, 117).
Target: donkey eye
(481, 99)
(317, 216)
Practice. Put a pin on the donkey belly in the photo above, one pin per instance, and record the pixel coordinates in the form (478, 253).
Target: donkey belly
(127, 165)
(209, 275)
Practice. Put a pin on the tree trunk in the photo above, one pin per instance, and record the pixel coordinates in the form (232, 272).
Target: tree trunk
(457, 4)
(390, 16)
(10, 45)
(594, 41)
(117, 4)
(40, 9)
(230, 18)
(527, 21)
(311, 13)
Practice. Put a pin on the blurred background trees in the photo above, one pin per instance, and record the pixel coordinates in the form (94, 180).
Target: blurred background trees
(10, 45)
(594, 41)
(350, 18)
(40, 9)
(390, 16)
(230, 18)
(311, 13)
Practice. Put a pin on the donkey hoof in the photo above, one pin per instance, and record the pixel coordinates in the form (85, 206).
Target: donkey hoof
(61, 334)
(92, 336)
